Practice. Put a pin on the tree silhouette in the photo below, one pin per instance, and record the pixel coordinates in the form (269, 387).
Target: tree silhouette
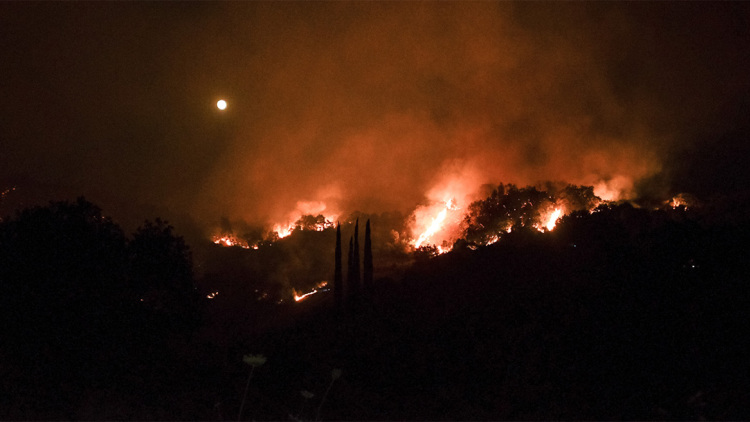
(353, 288)
(578, 197)
(367, 276)
(62, 302)
(357, 280)
(71, 286)
(338, 281)
(61, 264)
(161, 276)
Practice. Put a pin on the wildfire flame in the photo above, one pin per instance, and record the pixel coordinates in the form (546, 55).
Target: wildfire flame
(495, 238)
(282, 231)
(229, 240)
(319, 288)
(550, 221)
(553, 218)
(306, 216)
(682, 200)
(299, 297)
(296, 219)
(615, 189)
(443, 249)
(436, 224)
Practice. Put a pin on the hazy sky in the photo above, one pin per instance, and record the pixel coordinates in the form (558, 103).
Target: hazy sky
(365, 105)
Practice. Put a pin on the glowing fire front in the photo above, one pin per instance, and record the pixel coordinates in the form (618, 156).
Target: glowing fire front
(282, 231)
(306, 216)
(485, 221)
(433, 227)
(319, 288)
(684, 200)
(434, 224)
(305, 222)
(456, 211)
(549, 221)
(229, 240)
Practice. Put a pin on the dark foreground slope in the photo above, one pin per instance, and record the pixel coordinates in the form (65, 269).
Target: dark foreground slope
(620, 314)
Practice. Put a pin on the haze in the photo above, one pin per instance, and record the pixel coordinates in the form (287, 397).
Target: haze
(364, 106)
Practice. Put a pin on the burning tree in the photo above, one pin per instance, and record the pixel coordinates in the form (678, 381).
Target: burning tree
(506, 207)
(509, 207)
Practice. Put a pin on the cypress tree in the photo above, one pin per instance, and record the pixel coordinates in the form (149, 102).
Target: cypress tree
(338, 280)
(368, 261)
(350, 270)
(357, 280)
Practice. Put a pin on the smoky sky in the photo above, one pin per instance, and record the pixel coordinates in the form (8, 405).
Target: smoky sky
(365, 105)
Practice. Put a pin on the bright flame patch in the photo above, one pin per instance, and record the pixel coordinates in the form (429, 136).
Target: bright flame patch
(319, 288)
(432, 225)
(550, 220)
(228, 240)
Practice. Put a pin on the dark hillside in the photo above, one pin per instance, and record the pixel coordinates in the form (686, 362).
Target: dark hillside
(621, 314)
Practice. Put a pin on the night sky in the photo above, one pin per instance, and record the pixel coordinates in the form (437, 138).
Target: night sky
(364, 105)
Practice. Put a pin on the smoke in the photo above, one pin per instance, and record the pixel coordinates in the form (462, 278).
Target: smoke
(371, 106)
(365, 106)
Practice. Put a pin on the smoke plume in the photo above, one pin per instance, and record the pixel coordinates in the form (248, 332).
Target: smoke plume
(364, 106)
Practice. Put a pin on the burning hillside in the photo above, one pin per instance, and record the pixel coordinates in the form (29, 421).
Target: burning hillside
(302, 222)
(484, 221)
(295, 256)
(510, 207)
(441, 222)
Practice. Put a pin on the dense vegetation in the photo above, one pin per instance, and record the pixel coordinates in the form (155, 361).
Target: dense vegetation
(623, 313)
(89, 315)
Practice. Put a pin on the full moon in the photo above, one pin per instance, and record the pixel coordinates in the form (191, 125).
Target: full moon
(221, 104)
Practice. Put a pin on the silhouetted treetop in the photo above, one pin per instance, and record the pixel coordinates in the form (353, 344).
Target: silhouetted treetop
(66, 266)
(62, 246)
(161, 271)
